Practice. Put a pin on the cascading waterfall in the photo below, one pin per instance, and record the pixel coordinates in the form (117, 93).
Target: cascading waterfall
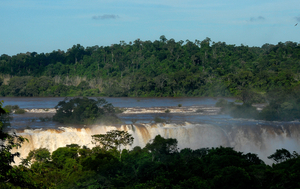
(260, 139)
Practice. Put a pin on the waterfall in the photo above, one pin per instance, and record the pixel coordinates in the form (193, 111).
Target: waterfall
(259, 139)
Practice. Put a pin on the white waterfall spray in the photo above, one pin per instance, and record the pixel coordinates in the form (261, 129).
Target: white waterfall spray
(260, 139)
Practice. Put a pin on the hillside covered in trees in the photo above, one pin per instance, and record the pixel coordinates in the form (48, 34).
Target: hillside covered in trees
(164, 67)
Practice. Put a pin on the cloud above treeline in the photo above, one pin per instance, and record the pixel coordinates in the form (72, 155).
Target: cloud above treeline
(254, 19)
(106, 17)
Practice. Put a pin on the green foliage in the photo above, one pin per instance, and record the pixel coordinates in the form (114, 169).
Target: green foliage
(113, 139)
(179, 105)
(283, 105)
(6, 117)
(232, 177)
(11, 108)
(84, 111)
(167, 111)
(38, 86)
(239, 111)
(20, 111)
(62, 155)
(38, 155)
(248, 96)
(119, 110)
(153, 69)
(158, 165)
(160, 146)
(11, 177)
(282, 155)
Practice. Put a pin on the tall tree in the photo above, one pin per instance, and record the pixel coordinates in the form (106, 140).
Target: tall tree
(113, 140)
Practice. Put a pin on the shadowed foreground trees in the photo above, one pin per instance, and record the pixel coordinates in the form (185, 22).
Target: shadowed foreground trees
(11, 177)
(160, 146)
(80, 167)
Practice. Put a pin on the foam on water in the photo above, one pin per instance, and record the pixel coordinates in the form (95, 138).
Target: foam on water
(260, 139)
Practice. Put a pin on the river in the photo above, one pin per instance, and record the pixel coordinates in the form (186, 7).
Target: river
(196, 124)
(34, 120)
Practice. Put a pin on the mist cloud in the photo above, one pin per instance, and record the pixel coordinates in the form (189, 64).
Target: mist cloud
(254, 19)
(297, 18)
(106, 17)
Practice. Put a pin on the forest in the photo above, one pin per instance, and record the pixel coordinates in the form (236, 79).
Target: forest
(162, 68)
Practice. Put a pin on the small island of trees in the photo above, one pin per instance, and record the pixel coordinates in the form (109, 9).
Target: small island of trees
(85, 111)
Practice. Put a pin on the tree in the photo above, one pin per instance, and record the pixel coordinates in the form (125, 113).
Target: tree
(1, 81)
(282, 155)
(38, 155)
(10, 176)
(232, 177)
(163, 38)
(160, 146)
(63, 154)
(246, 96)
(113, 140)
(83, 111)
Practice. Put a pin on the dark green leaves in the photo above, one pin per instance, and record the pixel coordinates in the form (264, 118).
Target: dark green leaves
(113, 139)
(83, 111)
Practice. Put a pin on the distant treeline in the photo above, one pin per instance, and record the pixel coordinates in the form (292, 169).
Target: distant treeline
(163, 67)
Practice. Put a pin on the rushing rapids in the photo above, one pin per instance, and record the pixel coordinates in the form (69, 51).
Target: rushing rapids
(260, 139)
(195, 124)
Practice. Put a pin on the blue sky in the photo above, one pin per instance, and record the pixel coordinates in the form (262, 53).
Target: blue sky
(44, 26)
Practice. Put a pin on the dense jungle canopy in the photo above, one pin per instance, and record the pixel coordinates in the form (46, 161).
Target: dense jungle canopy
(164, 67)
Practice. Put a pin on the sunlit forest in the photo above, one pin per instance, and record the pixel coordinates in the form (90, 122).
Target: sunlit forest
(162, 68)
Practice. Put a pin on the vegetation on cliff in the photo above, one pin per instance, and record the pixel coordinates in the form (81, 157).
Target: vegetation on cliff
(164, 67)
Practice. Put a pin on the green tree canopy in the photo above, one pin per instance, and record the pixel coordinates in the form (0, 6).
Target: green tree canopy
(160, 146)
(83, 111)
(11, 177)
(113, 139)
